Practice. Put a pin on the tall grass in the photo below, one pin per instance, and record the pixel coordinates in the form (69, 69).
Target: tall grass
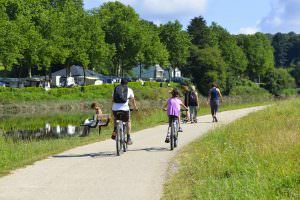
(256, 157)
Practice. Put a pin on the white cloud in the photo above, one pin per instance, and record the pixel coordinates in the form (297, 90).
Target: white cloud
(284, 17)
(248, 30)
(162, 10)
(171, 7)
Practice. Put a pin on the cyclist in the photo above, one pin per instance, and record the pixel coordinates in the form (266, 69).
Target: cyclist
(173, 110)
(121, 96)
(214, 96)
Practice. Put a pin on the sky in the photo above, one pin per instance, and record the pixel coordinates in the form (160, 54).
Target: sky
(236, 16)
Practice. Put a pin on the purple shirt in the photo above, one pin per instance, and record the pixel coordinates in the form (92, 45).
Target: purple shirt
(174, 106)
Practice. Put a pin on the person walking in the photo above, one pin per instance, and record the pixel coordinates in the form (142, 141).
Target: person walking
(193, 102)
(121, 97)
(186, 102)
(214, 96)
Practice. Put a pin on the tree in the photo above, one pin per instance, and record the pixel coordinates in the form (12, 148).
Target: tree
(259, 52)
(99, 52)
(278, 79)
(234, 57)
(281, 45)
(199, 32)
(294, 50)
(177, 43)
(10, 44)
(207, 66)
(296, 71)
(151, 51)
(120, 24)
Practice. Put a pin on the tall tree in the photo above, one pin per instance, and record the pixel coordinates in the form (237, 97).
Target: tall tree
(234, 57)
(199, 32)
(281, 45)
(120, 25)
(151, 51)
(259, 52)
(177, 42)
(99, 52)
(207, 66)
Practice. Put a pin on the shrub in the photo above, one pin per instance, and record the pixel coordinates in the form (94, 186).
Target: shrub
(245, 87)
(279, 79)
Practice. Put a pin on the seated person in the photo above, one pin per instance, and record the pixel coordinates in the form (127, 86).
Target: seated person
(92, 123)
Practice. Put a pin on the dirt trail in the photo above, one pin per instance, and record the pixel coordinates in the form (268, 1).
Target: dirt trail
(94, 172)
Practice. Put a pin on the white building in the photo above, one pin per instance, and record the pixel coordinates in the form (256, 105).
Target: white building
(155, 73)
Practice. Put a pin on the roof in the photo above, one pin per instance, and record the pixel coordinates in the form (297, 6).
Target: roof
(76, 70)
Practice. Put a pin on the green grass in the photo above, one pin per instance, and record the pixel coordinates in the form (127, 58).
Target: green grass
(87, 93)
(256, 157)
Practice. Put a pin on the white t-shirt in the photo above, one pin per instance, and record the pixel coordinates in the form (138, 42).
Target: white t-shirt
(123, 106)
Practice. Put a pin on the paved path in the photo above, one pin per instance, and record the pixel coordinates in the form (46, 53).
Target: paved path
(94, 172)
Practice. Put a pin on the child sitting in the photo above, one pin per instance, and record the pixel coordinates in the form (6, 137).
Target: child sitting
(92, 123)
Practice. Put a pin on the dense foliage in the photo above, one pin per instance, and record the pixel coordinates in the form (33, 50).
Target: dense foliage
(38, 36)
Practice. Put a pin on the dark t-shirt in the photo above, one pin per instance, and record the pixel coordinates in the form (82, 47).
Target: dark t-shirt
(214, 94)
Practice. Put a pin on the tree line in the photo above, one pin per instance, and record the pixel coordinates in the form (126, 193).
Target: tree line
(37, 36)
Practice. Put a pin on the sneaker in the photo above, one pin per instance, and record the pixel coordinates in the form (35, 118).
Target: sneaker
(167, 140)
(129, 141)
(180, 129)
(216, 119)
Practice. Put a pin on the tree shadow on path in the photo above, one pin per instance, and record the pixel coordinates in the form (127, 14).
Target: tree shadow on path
(92, 155)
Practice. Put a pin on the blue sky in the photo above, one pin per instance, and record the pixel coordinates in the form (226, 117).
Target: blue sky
(237, 16)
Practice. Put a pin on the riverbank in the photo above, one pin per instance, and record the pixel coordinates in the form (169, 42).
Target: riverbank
(256, 157)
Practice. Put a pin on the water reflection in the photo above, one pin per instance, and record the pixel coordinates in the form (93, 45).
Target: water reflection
(47, 131)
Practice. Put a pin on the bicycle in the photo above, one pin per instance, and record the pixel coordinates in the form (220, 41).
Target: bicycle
(174, 131)
(121, 133)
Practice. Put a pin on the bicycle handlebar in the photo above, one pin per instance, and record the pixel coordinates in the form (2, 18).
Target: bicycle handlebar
(181, 110)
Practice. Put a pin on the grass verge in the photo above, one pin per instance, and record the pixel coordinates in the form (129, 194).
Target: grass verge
(256, 157)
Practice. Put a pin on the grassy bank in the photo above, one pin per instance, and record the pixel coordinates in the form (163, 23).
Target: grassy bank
(256, 157)
(87, 93)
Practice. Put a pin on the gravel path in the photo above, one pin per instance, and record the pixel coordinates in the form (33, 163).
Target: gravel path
(94, 172)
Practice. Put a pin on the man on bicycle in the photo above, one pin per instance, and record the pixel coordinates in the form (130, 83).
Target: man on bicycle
(121, 96)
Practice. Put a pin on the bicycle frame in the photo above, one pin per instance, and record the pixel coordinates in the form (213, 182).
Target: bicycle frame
(121, 137)
(174, 133)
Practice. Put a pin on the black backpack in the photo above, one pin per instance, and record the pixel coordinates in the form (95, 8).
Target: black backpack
(120, 94)
(192, 99)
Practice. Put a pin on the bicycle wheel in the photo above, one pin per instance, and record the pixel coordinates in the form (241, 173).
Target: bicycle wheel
(176, 135)
(119, 137)
(124, 141)
(172, 136)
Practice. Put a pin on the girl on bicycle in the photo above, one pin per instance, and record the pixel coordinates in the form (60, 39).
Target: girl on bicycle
(173, 104)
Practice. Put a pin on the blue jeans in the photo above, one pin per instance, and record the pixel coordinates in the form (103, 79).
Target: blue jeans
(214, 106)
(193, 113)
